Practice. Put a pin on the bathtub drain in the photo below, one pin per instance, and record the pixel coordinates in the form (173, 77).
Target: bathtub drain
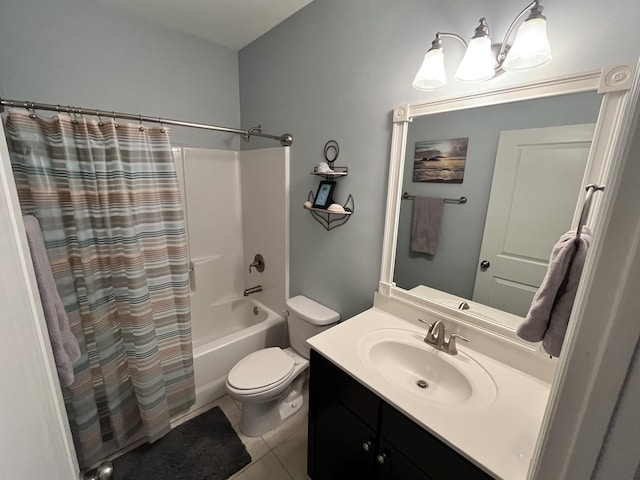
(256, 310)
(422, 384)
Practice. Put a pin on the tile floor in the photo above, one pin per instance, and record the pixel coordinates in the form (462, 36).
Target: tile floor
(278, 455)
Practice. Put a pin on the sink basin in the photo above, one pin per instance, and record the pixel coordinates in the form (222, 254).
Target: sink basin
(402, 359)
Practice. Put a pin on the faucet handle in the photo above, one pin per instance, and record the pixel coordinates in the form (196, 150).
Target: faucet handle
(451, 344)
(258, 263)
(430, 338)
(429, 324)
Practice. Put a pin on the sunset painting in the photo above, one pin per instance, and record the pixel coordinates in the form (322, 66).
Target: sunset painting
(440, 161)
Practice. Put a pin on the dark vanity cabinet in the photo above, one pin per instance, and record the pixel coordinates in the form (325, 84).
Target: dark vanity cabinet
(354, 435)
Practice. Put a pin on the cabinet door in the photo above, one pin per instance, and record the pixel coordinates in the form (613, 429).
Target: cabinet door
(392, 465)
(432, 456)
(343, 447)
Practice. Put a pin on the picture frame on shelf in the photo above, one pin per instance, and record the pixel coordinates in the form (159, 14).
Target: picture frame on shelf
(324, 194)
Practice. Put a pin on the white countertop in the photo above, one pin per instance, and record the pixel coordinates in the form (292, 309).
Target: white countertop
(499, 437)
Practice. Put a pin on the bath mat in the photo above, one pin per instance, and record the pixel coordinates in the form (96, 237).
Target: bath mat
(204, 448)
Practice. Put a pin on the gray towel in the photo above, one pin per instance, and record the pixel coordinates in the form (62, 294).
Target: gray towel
(64, 344)
(551, 307)
(427, 213)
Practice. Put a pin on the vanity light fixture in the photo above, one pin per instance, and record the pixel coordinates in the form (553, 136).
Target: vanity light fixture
(530, 49)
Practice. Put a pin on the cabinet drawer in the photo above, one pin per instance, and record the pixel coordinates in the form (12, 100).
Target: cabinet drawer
(431, 455)
(327, 379)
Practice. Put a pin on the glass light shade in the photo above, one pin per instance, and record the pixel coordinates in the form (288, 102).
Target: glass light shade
(530, 48)
(478, 62)
(431, 74)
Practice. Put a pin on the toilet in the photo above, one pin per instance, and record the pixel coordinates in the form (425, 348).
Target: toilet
(269, 382)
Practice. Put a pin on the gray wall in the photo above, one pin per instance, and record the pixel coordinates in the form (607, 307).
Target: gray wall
(77, 52)
(337, 68)
(453, 267)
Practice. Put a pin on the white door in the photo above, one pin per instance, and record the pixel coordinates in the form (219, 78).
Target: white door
(536, 187)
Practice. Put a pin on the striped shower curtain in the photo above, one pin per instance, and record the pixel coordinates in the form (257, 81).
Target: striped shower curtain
(108, 201)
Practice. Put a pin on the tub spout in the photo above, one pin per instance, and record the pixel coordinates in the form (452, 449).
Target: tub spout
(249, 291)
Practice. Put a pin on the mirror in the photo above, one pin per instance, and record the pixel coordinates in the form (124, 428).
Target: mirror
(584, 104)
(539, 150)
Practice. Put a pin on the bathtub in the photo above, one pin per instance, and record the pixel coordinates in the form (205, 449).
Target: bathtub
(226, 333)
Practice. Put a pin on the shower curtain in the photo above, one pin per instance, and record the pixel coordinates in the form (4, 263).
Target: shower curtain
(107, 198)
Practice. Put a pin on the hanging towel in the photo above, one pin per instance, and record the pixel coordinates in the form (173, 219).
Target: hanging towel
(550, 309)
(427, 213)
(64, 344)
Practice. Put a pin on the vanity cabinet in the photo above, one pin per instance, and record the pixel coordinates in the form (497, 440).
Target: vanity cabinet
(353, 434)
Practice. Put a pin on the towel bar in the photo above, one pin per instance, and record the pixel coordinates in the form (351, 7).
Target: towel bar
(461, 200)
(586, 207)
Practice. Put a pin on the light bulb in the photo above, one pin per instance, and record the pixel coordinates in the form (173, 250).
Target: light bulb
(530, 48)
(431, 75)
(478, 62)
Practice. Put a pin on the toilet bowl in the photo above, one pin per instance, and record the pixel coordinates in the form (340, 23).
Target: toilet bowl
(269, 381)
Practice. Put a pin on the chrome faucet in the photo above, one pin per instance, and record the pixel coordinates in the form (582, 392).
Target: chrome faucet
(436, 338)
(249, 291)
(463, 306)
(435, 335)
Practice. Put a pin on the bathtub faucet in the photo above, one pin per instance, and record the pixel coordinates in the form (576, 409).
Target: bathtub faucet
(249, 291)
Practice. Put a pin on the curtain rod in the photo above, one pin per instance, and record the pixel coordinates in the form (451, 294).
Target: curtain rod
(285, 139)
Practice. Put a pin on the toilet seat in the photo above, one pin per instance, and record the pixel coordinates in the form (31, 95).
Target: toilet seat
(261, 371)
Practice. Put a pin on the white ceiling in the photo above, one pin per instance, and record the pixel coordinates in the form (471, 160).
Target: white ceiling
(230, 23)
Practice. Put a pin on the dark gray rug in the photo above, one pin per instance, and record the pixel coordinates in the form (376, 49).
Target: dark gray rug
(204, 448)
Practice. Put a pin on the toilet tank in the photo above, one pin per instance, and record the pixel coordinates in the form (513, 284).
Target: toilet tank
(307, 318)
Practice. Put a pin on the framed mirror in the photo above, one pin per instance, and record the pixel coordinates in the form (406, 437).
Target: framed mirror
(521, 157)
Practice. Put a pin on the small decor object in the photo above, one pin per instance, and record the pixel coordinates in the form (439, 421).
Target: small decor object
(322, 206)
(324, 195)
(323, 167)
(440, 161)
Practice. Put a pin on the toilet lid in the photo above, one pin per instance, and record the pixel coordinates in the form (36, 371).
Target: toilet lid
(260, 369)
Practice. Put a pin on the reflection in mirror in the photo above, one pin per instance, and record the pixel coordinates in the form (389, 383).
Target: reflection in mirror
(524, 168)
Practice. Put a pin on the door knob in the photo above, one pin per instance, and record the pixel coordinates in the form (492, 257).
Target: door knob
(484, 264)
(366, 446)
(382, 458)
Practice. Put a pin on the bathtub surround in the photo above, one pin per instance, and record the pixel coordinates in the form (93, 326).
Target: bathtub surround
(204, 448)
(237, 205)
(109, 205)
(265, 184)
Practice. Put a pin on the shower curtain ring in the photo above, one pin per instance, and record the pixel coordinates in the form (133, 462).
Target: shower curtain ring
(100, 123)
(162, 129)
(141, 127)
(32, 109)
(115, 125)
(68, 110)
